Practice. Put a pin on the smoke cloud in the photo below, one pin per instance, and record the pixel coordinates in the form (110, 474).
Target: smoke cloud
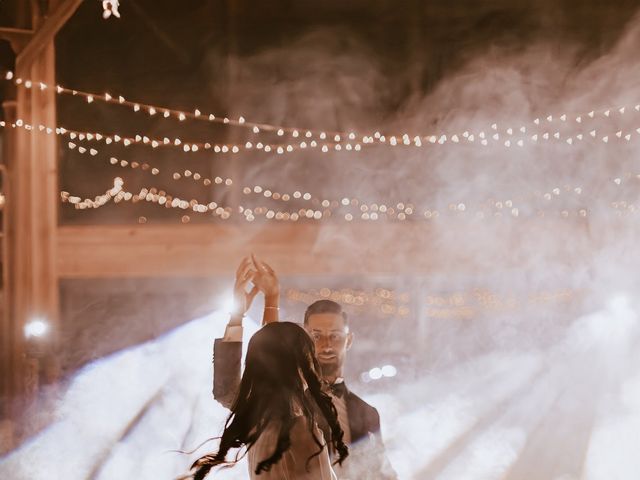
(523, 388)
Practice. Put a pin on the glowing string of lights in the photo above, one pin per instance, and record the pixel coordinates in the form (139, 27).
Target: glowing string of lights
(259, 190)
(181, 115)
(338, 136)
(86, 136)
(357, 299)
(163, 199)
(248, 212)
(369, 212)
(391, 302)
(118, 194)
(109, 138)
(373, 211)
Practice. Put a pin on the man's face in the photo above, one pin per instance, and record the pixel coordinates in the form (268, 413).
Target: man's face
(332, 339)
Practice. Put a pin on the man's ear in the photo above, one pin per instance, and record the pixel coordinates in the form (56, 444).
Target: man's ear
(349, 340)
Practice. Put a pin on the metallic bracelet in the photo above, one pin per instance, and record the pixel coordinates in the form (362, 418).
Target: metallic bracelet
(272, 308)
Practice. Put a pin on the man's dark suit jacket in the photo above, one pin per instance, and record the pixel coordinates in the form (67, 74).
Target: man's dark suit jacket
(366, 460)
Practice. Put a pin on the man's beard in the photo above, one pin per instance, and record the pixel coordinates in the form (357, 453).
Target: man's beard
(329, 369)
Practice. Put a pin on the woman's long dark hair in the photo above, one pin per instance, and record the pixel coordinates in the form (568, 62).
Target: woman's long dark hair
(280, 355)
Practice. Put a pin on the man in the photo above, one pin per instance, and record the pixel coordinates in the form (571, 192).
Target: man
(327, 324)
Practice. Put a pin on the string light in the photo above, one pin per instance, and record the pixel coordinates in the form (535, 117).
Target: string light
(395, 304)
(161, 198)
(467, 304)
(109, 138)
(197, 113)
(456, 305)
(144, 166)
(337, 136)
(369, 212)
(118, 194)
(195, 176)
(280, 149)
(257, 189)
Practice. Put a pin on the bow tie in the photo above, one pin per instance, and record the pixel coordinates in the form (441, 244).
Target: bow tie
(338, 389)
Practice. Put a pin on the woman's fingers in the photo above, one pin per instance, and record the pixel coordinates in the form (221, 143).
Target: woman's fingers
(243, 274)
(245, 271)
(268, 268)
(242, 267)
(241, 283)
(261, 266)
(256, 263)
(251, 295)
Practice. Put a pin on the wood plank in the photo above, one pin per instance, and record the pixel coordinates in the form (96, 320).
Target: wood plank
(31, 228)
(303, 248)
(17, 37)
(201, 250)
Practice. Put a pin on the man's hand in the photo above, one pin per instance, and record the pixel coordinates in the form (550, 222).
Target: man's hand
(265, 278)
(241, 298)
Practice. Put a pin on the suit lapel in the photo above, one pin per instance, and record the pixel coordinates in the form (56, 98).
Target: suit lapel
(356, 421)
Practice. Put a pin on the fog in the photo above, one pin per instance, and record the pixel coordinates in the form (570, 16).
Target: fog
(533, 391)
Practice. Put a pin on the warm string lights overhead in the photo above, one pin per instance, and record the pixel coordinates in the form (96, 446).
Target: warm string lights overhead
(323, 208)
(373, 211)
(382, 301)
(181, 115)
(454, 305)
(250, 214)
(98, 200)
(316, 214)
(163, 199)
(118, 194)
(358, 210)
(146, 167)
(466, 305)
(281, 149)
(187, 147)
(508, 137)
(199, 178)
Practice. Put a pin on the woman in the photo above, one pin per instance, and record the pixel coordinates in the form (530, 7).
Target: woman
(280, 397)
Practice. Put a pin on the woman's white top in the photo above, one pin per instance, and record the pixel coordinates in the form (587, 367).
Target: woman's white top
(293, 464)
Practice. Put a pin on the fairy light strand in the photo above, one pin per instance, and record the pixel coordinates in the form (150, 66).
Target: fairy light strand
(620, 135)
(365, 211)
(338, 136)
(324, 208)
(185, 146)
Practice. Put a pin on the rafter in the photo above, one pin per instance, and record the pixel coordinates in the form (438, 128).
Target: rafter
(46, 32)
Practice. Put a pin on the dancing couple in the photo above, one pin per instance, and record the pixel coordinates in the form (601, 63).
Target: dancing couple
(290, 408)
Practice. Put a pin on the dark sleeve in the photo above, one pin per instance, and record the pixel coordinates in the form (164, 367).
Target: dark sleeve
(226, 370)
(373, 421)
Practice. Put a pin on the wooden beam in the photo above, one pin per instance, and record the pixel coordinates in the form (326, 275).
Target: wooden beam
(17, 37)
(31, 227)
(203, 250)
(308, 248)
(46, 32)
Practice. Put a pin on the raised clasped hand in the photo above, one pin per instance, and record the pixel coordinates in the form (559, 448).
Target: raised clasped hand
(242, 299)
(265, 278)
